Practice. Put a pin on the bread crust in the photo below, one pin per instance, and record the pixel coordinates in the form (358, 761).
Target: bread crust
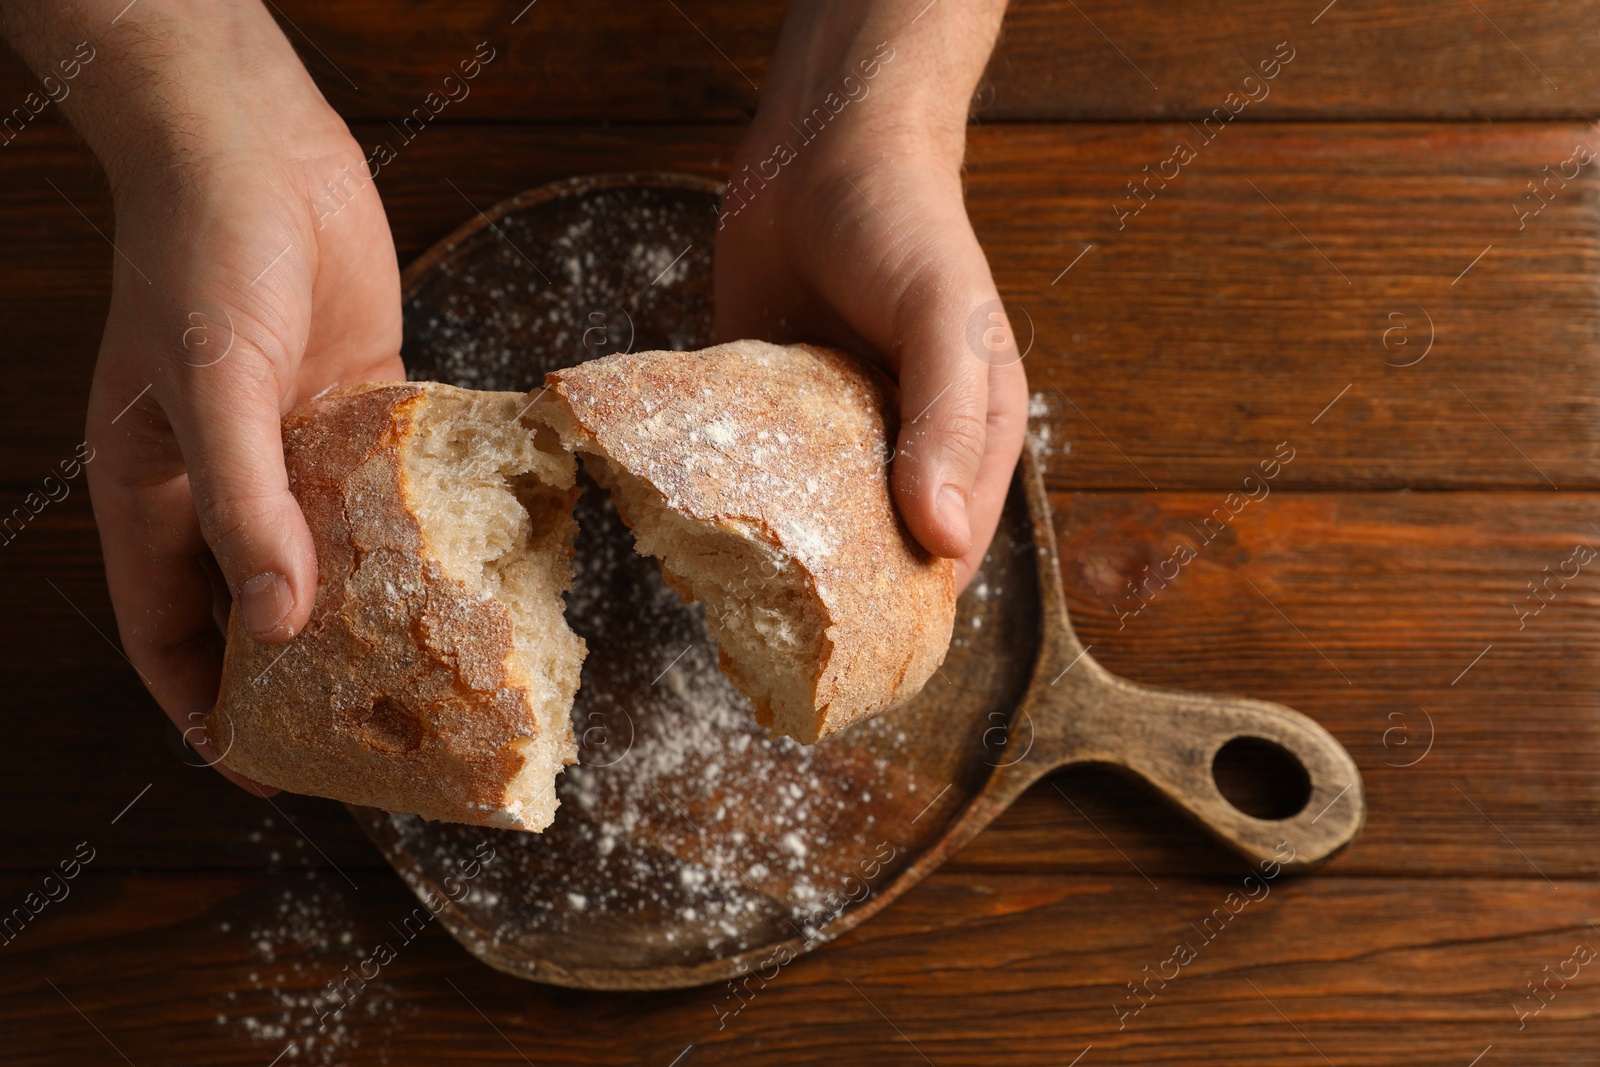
(788, 445)
(403, 692)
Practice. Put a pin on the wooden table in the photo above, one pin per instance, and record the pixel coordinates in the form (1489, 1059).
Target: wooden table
(1261, 298)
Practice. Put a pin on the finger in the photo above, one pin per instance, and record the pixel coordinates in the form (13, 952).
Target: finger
(153, 549)
(227, 420)
(945, 406)
(918, 289)
(1005, 430)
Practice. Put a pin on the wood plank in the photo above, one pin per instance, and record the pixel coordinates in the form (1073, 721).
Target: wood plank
(1243, 301)
(703, 60)
(1400, 592)
(1192, 341)
(1374, 614)
(1258, 298)
(966, 969)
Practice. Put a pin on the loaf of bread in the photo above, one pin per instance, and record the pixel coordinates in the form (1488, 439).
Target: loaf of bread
(758, 476)
(437, 672)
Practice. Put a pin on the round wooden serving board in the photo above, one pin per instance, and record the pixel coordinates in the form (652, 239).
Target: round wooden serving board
(689, 847)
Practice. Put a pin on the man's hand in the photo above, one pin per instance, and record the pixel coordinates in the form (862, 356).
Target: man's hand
(254, 269)
(844, 223)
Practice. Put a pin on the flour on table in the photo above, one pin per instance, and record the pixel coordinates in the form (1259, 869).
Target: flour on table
(300, 940)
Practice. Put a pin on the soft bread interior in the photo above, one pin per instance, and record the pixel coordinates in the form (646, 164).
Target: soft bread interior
(760, 605)
(493, 496)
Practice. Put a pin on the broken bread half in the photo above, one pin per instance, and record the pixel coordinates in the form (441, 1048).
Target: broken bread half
(758, 476)
(437, 672)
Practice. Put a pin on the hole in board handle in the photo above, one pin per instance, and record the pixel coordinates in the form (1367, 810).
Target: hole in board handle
(1261, 778)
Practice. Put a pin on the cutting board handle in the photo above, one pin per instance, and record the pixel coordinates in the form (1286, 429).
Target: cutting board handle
(1078, 712)
(1171, 739)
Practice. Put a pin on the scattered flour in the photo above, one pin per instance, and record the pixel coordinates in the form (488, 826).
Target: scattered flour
(578, 277)
(1041, 406)
(685, 830)
(302, 939)
(682, 811)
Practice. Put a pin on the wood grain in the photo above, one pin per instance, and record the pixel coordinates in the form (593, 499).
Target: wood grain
(1399, 590)
(1191, 343)
(966, 969)
(1241, 332)
(702, 60)
(1368, 612)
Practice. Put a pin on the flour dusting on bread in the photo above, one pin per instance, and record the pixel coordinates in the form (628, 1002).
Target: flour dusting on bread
(757, 474)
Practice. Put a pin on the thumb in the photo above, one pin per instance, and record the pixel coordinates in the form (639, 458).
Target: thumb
(951, 336)
(223, 398)
(963, 394)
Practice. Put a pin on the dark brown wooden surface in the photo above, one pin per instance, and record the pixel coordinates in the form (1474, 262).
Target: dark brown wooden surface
(704, 60)
(1191, 343)
(1240, 330)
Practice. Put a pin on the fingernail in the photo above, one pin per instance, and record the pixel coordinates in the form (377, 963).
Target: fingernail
(952, 509)
(264, 602)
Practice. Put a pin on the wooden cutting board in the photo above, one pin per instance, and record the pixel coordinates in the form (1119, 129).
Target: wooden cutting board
(689, 847)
